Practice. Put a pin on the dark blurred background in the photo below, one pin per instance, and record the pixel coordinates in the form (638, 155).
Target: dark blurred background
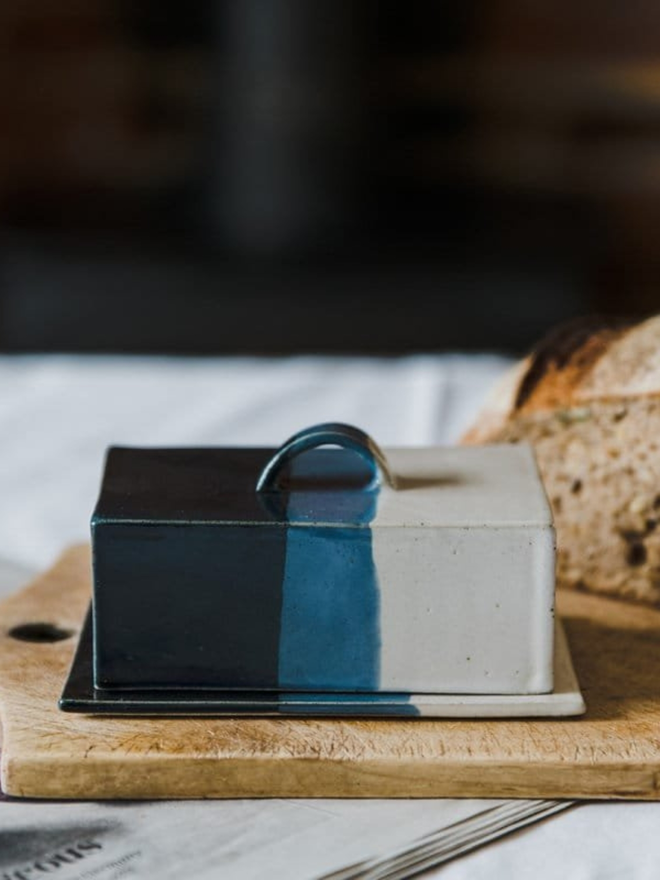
(274, 176)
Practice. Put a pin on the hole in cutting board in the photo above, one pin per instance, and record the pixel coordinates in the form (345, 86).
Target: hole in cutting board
(40, 632)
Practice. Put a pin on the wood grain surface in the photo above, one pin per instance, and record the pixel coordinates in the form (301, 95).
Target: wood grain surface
(611, 752)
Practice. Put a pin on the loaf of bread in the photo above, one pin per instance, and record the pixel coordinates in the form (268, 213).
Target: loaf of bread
(588, 400)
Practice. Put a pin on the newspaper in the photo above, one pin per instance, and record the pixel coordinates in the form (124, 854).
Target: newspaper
(292, 839)
(297, 840)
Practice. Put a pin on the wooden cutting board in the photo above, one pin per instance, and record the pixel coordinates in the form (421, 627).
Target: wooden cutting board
(611, 752)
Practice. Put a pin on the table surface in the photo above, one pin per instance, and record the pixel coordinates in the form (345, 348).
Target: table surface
(58, 415)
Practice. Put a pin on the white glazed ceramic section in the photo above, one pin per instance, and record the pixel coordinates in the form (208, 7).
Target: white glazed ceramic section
(464, 486)
(465, 554)
(466, 610)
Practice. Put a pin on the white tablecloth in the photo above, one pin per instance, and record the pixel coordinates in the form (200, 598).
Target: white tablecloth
(58, 414)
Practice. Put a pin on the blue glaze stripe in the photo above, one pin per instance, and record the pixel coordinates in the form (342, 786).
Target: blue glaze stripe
(329, 625)
(330, 635)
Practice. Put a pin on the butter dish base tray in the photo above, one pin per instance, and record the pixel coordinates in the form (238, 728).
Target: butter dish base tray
(80, 695)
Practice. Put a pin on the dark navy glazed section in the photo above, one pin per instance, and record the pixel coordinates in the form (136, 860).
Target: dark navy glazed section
(181, 605)
(200, 582)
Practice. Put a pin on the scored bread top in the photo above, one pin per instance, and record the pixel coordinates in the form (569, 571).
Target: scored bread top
(577, 364)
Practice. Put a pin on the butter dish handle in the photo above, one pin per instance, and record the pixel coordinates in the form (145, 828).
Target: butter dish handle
(328, 434)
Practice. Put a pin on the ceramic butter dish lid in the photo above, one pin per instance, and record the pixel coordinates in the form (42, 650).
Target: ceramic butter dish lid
(326, 570)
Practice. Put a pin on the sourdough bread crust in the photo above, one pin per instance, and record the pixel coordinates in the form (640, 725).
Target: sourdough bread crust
(589, 403)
